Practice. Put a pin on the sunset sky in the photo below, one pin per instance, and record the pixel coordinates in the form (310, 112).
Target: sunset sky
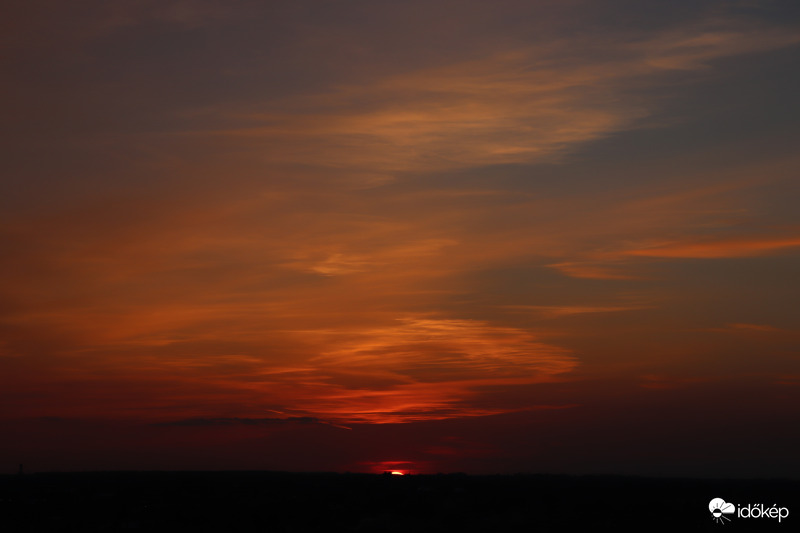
(552, 236)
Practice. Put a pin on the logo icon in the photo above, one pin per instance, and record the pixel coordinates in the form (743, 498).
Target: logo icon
(719, 508)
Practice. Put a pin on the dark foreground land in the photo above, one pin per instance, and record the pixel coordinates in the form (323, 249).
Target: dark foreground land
(287, 502)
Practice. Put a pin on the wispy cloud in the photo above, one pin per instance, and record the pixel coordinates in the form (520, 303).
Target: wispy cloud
(235, 421)
(758, 330)
(515, 106)
(477, 348)
(594, 270)
(430, 367)
(742, 247)
(556, 311)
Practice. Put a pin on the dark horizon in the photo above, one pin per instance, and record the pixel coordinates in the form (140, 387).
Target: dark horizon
(281, 501)
(790, 481)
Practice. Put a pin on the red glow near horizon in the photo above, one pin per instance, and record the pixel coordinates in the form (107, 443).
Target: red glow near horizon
(395, 468)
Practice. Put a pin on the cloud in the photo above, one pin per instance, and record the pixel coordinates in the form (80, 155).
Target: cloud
(463, 348)
(625, 263)
(716, 220)
(588, 270)
(696, 45)
(789, 380)
(754, 327)
(520, 105)
(430, 369)
(621, 265)
(741, 247)
(556, 311)
(235, 421)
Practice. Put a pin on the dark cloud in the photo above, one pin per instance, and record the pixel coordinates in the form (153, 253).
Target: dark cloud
(235, 421)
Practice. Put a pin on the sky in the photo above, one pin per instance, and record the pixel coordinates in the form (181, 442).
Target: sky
(423, 235)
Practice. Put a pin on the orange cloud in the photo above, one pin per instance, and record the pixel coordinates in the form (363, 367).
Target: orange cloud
(592, 270)
(717, 249)
(430, 366)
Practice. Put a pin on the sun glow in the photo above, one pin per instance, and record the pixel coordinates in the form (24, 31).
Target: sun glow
(397, 473)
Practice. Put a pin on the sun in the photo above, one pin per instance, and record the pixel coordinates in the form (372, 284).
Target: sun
(392, 468)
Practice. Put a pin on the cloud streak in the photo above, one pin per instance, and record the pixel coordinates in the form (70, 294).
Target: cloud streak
(516, 106)
(718, 249)
(235, 421)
